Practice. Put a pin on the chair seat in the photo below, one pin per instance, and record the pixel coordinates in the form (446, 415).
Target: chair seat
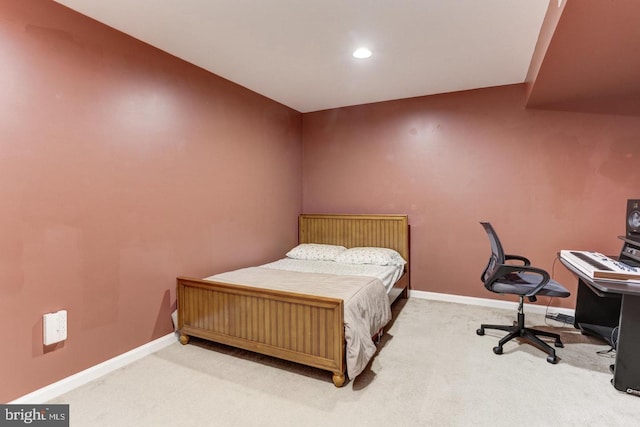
(523, 283)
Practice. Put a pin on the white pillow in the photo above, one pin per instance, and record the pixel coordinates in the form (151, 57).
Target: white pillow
(316, 252)
(377, 256)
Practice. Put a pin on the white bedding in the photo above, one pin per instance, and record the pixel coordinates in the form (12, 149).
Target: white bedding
(388, 274)
(366, 304)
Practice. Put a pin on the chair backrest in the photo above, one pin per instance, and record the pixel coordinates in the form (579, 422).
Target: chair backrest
(497, 254)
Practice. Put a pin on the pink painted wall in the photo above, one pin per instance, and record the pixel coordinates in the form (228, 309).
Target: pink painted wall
(547, 180)
(548, 29)
(121, 168)
(576, 68)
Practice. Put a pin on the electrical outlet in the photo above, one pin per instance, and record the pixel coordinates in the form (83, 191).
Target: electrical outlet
(54, 327)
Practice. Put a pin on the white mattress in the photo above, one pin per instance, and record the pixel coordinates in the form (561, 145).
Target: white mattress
(388, 274)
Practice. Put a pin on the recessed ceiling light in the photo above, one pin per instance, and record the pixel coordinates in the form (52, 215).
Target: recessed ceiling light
(362, 53)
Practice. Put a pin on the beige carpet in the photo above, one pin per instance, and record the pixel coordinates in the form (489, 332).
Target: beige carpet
(431, 370)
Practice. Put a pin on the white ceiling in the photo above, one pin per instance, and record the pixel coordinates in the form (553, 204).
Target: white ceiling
(298, 52)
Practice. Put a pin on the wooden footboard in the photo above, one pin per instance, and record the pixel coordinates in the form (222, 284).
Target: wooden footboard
(301, 328)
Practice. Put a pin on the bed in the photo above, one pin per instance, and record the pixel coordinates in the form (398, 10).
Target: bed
(306, 328)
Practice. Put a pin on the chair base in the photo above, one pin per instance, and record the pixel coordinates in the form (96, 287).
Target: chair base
(531, 335)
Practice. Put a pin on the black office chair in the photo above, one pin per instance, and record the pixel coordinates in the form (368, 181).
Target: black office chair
(526, 282)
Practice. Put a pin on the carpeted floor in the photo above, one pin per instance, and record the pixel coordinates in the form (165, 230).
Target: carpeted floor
(431, 370)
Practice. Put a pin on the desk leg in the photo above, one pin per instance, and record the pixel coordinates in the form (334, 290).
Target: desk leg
(626, 375)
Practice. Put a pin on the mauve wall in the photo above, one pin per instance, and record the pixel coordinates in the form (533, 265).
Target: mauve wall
(122, 167)
(546, 180)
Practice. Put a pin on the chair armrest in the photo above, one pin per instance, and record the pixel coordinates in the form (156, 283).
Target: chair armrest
(543, 282)
(524, 260)
(505, 269)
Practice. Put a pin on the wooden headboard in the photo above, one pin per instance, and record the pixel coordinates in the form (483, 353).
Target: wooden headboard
(385, 231)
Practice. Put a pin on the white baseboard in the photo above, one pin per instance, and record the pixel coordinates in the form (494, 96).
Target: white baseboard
(492, 303)
(67, 384)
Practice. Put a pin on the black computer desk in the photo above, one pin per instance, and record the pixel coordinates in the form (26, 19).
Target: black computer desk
(600, 307)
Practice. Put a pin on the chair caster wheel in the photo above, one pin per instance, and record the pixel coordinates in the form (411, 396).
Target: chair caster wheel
(558, 344)
(480, 331)
(552, 359)
(497, 350)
